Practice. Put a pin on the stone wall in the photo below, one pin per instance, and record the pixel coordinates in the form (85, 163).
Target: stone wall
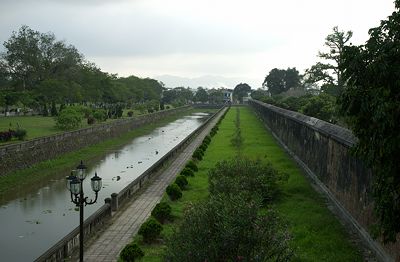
(25, 154)
(323, 151)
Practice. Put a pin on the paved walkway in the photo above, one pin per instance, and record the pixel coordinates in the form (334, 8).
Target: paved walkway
(125, 224)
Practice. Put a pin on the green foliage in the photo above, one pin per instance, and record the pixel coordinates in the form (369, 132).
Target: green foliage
(250, 177)
(240, 91)
(371, 103)
(201, 95)
(69, 118)
(181, 181)
(20, 134)
(187, 172)
(53, 111)
(198, 154)
(322, 72)
(100, 115)
(207, 140)
(131, 252)
(91, 120)
(162, 212)
(192, 165)
(150, 230)
(130, 113)
(229, 228)
(322, 107)
(280, 80)
(174, 192)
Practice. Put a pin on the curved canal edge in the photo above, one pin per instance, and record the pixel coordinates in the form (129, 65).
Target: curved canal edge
(69, 244)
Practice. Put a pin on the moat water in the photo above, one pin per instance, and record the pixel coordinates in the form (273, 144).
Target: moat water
(40, 215)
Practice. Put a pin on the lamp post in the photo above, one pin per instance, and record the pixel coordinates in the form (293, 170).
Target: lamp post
(75, 186)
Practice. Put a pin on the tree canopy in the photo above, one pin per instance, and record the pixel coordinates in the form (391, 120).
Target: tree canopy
(328, 73)
(371, 101)
(240, 91)
(281, 80)
(41, 69)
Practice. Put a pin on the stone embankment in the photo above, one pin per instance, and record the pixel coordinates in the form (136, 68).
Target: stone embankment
(26, 154)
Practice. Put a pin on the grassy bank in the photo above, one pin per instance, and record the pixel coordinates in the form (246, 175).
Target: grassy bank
(317, 235)
(22, 178)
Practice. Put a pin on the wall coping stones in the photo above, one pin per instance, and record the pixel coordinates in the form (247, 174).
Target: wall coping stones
(341, 134)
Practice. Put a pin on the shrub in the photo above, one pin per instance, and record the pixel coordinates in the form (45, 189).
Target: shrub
(181, 181)
(68, 119)
(130, 113)
(192, 165)
(91, 120)
(198, 154)
(162, 212)
(167, 107)
(187, 172)
(250, 177)
(207, 140)
(100, 115)
(131, 252)
(226, 228)
(5, 136)
(174, 192)
(203, 147)
(53, 110)
(150, 110)
(20, 134)
(150, 230)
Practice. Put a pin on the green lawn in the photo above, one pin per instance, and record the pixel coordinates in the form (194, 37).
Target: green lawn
(36, 126)
(317, 235)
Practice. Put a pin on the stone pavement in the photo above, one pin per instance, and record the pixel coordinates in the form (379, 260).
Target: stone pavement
(125, 224)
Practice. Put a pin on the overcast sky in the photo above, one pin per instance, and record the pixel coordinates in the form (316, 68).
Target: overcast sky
(186, 38)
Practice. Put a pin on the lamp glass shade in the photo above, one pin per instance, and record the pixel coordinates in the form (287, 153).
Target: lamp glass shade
(75, 186)
(69, 179)
(81, 171)
(96, 183)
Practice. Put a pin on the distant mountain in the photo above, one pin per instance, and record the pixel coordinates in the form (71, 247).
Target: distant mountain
(207, 81)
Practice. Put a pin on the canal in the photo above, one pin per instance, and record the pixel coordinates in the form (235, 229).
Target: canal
(35, 220)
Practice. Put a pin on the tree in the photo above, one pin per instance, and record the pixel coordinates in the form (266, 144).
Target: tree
(201, 95)
(280, 80)
(371, 102)
(240, 91)
(329, 73)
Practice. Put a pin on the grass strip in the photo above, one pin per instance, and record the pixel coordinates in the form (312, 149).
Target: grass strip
(317, 234)
(220, 148)
(21, 179)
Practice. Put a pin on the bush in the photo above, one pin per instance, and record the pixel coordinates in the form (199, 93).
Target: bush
(131, 252)
(150, 230)
(250, 177)
(207, 140)
(6, 136)
(53, 110)
(192, 165)
(181, 181)
(20, 134)
(91, 120)
(187, 172)
(203, 147)
(68, 119)
(162, 212)
(100, 115)
(130, 113)
(198, 154)
(229, 228)
(174, 192)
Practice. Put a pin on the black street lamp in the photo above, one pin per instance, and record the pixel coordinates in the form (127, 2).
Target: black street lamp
(75, 186)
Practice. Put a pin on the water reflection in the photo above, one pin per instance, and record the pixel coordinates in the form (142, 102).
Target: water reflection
(41, 216)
